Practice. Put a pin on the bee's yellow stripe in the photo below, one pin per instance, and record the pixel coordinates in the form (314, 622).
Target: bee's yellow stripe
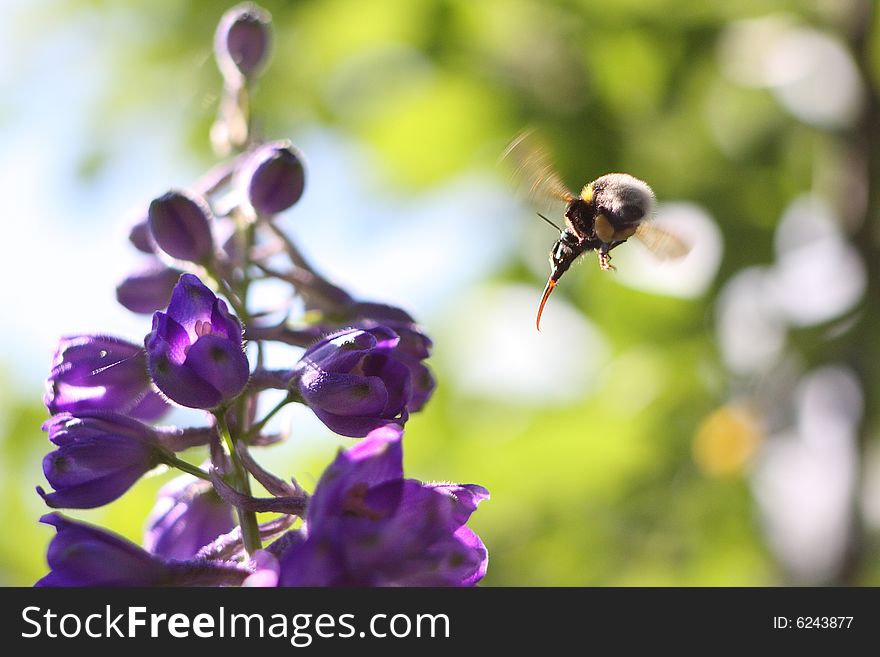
(587, 192)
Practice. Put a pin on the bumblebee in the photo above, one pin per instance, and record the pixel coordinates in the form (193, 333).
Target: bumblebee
(607, 212)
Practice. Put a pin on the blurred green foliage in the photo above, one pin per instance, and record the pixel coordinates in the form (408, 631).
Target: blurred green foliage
(590, 492)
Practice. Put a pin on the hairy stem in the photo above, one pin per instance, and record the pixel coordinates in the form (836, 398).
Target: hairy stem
(250, 530)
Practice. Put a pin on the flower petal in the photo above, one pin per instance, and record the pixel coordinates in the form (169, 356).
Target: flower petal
(376, 459)
(471, 546)
(85, 460)
(220, 362)
(188, 516)
(82, 555)
(466, 498)
(312, 563)
(396, 378)
(345, 394)
(169, 337)
(150, 408)
(356, 426)
(339, 352)
(94, 493)
(191, 301)
(225, 323)
(180, 383)
(100, 372)
(148, 289)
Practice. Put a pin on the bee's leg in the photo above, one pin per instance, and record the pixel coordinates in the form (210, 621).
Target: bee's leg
(605, 257)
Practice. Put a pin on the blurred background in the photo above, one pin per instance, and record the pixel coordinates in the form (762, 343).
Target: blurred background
(711, 421)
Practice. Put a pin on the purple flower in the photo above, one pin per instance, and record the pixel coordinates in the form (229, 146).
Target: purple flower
(357, 380)
(188, 516)
(180, 225)
(149, 289)
(195, 352)
(100, 455)
(275, 177)
(368, 526)
(83, 555)
(101, 372)
(241, 42)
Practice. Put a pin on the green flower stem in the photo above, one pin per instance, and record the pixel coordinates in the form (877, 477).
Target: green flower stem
(187, 467)
(238, 296)
(257, 427)
(250, 530)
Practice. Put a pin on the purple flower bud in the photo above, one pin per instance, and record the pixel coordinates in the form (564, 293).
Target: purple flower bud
(139, 235)
(195, 352)
(368, 526)
(100, 455)
(380, 313)
(149, 289)
(180, 226)
(356, 381)
(101, 372)
(83, 555)
(188, 516)
(275, 177)
(414, 346)
(241, 42)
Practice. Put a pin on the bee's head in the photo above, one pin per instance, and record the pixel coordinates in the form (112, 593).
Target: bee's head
(564, 252)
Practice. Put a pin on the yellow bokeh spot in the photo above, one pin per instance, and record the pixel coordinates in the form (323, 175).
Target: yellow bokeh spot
(726, 440)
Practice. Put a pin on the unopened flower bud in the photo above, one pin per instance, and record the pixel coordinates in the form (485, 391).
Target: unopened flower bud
(102, 373)
(275, 177)
(139, 236)
(188, 515)
(148, 290)
(241, 42)
(84, 555)
(358, 380)
(100, 455)
(180, 226)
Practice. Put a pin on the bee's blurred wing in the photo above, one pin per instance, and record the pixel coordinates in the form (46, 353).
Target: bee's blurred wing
(661, 242)
(535, 172)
